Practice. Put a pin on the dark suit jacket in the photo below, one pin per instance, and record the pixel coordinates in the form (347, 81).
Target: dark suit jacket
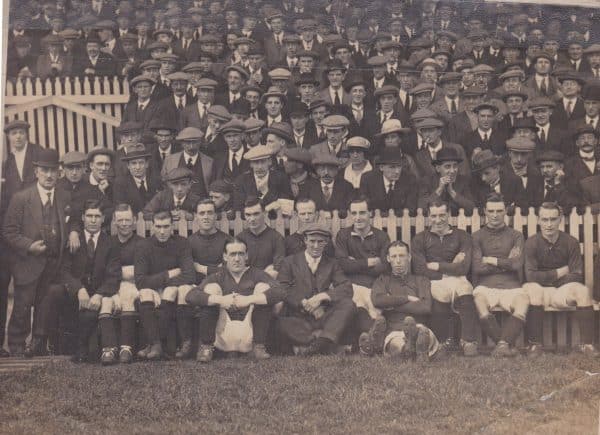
(153, 110)
(245, 187)
(458, 128)
(509, 188)
(87, 191)
(496, 142)
(163, 201)
(45, 70)
(530, 83)
(105, 65)
(191, 117)
(203, 171)
(11, 181)
(590, 194)
(561, 118)
(403, 196)
(524, 195)
(576, 170)
(300, 283)
(191, 54)
(126, 192)
(222, 170)
(342, 194)
(425, 166)
(558, 139)
(464, 197)
(105, 271)
(22, 226)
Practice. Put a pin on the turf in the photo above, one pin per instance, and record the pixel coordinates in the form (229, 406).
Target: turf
(297, 395)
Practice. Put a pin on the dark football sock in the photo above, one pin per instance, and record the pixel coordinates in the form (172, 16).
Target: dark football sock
(585, 318)
(511, 329)
(535, 324)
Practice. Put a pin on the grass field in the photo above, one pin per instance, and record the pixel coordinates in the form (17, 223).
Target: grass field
(295, 395)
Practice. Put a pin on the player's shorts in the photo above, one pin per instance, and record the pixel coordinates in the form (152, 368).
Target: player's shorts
(448, 288)
(499, 298)
(554, 297)
(401, 337)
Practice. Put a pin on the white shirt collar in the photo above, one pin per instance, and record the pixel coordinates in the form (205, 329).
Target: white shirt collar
(167, 151)
(187, 157)
(95, 237)
(93, 181)
(312, 261)
(481, 133)
(328, 185)
(44, 193)
(182, 200)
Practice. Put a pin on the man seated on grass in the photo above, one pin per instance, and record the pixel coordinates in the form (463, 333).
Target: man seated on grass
(497, 274)
(554, 279)
(92, 275)
(443, 254)
(318, 306)
(405, 300)
(164, 274)
(208, 243)
(266, 248)
(240, 293)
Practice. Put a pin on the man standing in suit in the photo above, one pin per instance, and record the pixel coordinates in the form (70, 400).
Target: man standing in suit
(336, 131)
(592, 54)
(199, 163)
(549, 136)
(570, 107)
(34, 228)
(586, 162)
(143, 108)
(231, 164)
(196, 115)
(335, 94)
(541, 82)
(165, 144)
(448, 106)
(54, 63)
(96, 62)
(319, 296)
(485, 137)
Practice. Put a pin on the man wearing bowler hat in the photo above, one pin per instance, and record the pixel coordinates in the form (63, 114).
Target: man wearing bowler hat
(554, 187)
(488, 179)
(585, 162)
(34, 228)
(201, 165)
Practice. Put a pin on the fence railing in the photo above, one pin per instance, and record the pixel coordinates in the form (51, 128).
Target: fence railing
(70, 113)
(585, 227)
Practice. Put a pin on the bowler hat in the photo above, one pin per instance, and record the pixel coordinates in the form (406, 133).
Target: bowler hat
(73, 158)
(390, 156)
(447, 154)
(136, 151)
(47, 158)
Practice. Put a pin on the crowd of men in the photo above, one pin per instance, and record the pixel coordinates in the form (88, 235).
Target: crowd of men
(302, 107)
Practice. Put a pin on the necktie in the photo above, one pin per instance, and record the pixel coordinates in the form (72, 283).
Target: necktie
(91, 247)
(143, 189)
(453, 109)
(234, 164)
(327, 192)
(542, 136)
(180, 103)
(543, 87)
(570, 108)
(321, 134)
(384, 118)
(177, 204)
(337, 101)
(485, 137)
(163, 156)
(202, 110)
(597, 72)
(358, 115)
(190, 163)
(49, 200)
(390, 187)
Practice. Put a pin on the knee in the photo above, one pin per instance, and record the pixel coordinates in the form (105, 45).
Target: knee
(535, 293)
(182, 292)
(260, 288)
(213, 289)
(128, 294)
(520, 306)
(107, 306)
(146, 295)
(582, 295)
(395, 347)
(170, 294)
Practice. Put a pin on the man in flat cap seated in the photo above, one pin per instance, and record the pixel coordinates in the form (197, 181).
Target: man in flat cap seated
(263, 182)
(489, 178)
(448, 184)
(200, 164)
(318, 307)
(138, 187)
(236, 306)
(329, 192)
(177, 198)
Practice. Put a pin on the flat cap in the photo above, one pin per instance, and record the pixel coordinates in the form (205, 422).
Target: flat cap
(594, 48)
(482, 68)
(251, 87)
(520, 144)
(386, 90)
(73, 158)
(190, 133)
(308, 53)
(298, 155)
(53, 40)
(335, 121)
(150, 63)
(280, 74)
(334, 65)
(234, 126)
(585, 128)
(422, 88)
(511, 73)
(219, 112)
(526, 122)
(105, 24)
(450, 35)
(136, 151)
(325, 159)
(178, 174)
(253, 124)
(259, 152)
(485, 159)
(179, 76)
(474, 91)
(431, 123)
(390, 45)
(168, 57)
(477, 34)
(17, 123)
(162, 32)
(358, 142)
(273, 91)
(543, 54)
(485, 105)
(307, 78)
(129, 126)
(429, 62)
(377, 61)
(291, 39)
(514, 93)
(243, 40)
(281, 129)
(157, 45)
(569, 74)
(316, 228)
(550, 156)
(421, 114)
(538, 102)
(100, 151)
(318, 102)
(450, 77)
(447, 154)
(192, 66)
(241, 71)
(297, 107)
(141, 78)
(206, 83)
(221, 186)
(74, 34)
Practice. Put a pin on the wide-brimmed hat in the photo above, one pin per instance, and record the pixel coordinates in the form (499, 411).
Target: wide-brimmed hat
(136, 151)
(392, 126)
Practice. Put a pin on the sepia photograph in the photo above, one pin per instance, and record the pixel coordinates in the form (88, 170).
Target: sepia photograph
(300, 217)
